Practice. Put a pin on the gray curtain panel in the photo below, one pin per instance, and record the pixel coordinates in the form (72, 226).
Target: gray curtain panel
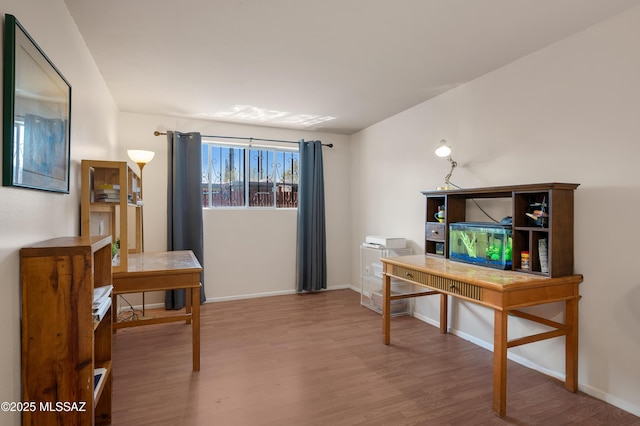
(311, 263)
(184, 204)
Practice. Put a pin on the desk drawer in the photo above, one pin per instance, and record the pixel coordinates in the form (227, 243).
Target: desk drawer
(440, 283)
(435, 231)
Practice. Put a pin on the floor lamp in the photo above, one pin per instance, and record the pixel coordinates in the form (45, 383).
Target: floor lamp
(141, 158)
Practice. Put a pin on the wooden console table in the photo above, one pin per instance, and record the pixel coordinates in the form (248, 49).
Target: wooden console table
(156, 271)
(504, 292)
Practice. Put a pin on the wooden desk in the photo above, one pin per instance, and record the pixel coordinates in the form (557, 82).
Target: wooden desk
(504, 292)
(156, 271)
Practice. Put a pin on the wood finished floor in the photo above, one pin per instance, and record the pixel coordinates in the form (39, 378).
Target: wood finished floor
(318, 359)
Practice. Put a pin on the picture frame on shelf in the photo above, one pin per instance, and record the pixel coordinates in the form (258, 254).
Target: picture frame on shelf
(36, 116)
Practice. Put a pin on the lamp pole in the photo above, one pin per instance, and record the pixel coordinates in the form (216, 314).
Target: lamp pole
(141, 157)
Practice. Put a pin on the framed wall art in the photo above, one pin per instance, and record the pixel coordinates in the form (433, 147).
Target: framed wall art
(36, 116)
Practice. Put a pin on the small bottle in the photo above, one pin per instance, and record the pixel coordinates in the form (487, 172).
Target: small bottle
(524, 259)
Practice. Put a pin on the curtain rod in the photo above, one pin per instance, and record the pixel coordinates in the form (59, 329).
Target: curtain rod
(330, 145)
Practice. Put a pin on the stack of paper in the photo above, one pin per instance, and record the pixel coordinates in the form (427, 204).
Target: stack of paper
(385, 242)
(101, 301)
(108, 193)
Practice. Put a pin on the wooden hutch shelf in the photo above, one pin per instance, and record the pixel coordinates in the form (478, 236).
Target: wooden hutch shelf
(556, 199)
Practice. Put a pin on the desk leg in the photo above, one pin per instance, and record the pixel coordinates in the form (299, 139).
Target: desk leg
(571, 345)
(187, 303)
(195, 326)
(500, 362)
(444, 313)
(386, 308)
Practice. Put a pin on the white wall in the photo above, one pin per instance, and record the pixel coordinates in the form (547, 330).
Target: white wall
(567, 113)
(29, 216)
(241, 246)
(547, 117)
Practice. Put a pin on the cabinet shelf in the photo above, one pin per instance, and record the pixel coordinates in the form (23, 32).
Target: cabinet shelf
(541, 211)
(62, 345)
(530, 229)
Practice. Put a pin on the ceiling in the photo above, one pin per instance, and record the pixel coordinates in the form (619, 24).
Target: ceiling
(295, 63)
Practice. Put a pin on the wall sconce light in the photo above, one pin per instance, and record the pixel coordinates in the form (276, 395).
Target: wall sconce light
(444, 151)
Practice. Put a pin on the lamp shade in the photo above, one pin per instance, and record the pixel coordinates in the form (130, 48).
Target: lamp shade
(444, 149)
(140, 156)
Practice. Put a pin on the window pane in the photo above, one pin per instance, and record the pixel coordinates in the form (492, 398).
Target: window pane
(261, 178)
(206, 189)
(286, 171)
(225, 177)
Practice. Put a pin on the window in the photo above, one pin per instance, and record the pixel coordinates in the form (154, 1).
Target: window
(237, 176)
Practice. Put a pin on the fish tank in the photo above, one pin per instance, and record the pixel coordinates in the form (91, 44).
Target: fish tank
(484, 244)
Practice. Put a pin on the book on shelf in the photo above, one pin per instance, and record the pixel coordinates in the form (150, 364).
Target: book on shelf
(98, 377)
(107, 195)
(108, 191)
(109, 186)
(544, 256)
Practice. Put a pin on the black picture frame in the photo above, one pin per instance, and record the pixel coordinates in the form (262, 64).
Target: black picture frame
(36, 115)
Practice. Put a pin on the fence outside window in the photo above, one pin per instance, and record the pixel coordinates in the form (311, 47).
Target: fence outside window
(236, 176)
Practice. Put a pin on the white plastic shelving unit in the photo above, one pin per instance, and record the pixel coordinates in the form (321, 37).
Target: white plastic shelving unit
(371, 280)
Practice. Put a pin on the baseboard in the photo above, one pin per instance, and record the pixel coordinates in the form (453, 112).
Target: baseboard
(354, 288)
(591, 391)
(613, 400)
(139, 307)
(266, 294)
(235, 297)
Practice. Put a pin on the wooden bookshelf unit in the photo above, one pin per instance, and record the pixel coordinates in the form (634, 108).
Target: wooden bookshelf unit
(119, 215)
(62, 344)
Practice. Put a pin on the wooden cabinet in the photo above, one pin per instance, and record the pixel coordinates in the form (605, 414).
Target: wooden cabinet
(542, 217)
(62, 344)
(111, 205)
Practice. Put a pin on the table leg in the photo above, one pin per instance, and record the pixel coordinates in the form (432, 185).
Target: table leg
(571, 345)
(114, 310)
(500, 362)
(195, 326)
(386, 308)
(444, 313)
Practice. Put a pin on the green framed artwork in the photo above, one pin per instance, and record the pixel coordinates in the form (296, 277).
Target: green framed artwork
(36, 116)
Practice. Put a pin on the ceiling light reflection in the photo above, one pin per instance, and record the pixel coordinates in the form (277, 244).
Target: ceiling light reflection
(267, 116)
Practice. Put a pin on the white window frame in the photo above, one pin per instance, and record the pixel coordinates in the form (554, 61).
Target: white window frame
(247, 174)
